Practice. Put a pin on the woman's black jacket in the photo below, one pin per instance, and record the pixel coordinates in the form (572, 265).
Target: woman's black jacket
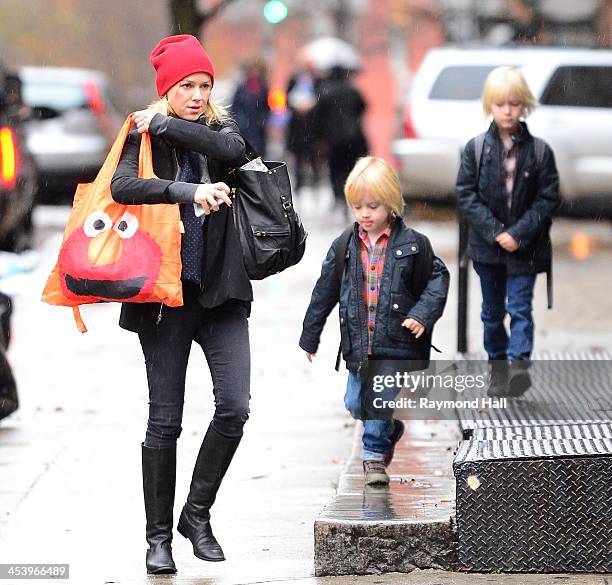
(483, 202)
(414, 284)
(225, 283)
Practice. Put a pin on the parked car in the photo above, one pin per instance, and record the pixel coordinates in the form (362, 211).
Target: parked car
(17, 170)
(573, 87)
(72, 126)
(9, 401)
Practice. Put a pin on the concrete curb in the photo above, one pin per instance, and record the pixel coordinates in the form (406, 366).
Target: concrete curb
(370, 530)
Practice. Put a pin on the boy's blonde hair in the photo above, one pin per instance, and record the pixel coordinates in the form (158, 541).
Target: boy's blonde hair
(374, 176)
(506, 82)
(214, 114)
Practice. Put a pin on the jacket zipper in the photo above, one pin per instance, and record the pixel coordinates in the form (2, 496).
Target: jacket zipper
(159, 315)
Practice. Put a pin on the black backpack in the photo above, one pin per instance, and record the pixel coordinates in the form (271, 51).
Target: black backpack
(271, 233)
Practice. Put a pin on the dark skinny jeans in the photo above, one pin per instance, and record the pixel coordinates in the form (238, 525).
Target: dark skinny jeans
(223, 335)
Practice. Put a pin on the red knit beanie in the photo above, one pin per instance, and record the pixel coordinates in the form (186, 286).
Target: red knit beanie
(176, 57)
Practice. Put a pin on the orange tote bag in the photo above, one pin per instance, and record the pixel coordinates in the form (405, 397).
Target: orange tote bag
(114, 252)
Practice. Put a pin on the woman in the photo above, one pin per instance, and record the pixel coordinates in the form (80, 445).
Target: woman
(194, 144)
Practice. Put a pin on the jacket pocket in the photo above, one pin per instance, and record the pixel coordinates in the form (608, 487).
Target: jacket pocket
(345, 338)
(399, 306)
(403, 264)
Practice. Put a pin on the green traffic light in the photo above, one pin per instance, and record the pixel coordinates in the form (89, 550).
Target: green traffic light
(275, 11)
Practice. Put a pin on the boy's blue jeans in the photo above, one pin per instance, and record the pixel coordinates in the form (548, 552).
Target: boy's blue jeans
(376, 433)
(505, 293)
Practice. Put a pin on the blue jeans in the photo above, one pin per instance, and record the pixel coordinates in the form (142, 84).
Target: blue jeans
(376, 433)
(506, 293)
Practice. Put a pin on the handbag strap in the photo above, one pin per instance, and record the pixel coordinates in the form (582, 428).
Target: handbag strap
(145, 157)
(117, 148)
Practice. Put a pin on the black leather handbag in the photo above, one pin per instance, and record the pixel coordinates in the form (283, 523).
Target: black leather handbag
(271, 233)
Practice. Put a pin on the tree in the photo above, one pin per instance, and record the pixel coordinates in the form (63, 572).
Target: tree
(188, 17)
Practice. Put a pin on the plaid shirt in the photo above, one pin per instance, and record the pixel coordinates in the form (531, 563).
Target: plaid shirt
(509, 159)
(373, 262)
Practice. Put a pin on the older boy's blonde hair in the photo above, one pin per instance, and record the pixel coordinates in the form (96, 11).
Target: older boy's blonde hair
(214, 114)
(374, 176)
(505, 82)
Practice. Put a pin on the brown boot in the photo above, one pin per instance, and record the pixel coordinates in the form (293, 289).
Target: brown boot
(375, 473)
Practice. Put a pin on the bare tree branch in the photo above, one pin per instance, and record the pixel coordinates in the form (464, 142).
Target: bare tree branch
(186, 18)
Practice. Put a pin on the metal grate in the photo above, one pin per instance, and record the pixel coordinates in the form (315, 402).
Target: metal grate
(535, 515)
(567, 388)
(601, 430)
(534, 480)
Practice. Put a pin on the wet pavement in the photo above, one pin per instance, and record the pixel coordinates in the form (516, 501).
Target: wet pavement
(70, 489)
(420, 474)
(408, 524)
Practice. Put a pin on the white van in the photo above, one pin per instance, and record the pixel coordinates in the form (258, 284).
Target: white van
(573, 87)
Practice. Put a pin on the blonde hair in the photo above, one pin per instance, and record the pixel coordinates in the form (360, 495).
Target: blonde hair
(505, 82)
(215, 113)
(374, 176)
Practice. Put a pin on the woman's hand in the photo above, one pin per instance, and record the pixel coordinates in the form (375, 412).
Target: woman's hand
(142, 119)
(210, 195)
(416, 328)
(310, 356)
(507, 242)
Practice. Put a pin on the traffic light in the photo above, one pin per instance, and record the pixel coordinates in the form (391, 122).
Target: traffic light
(275, 11)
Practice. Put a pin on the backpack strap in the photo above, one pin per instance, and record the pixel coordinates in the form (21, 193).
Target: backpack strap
(478, 148)
(423, 266)
(341, 249)
(540, 148)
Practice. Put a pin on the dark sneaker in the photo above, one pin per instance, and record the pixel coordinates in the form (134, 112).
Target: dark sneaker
(375, 473)
(396, 435)
(519, 379)
(498, 382)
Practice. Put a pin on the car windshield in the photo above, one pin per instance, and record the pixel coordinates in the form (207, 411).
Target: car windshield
(59, 96)
(461, 82)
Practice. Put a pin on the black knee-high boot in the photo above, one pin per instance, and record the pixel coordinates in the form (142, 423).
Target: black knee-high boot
(158, 482)
(215, 455)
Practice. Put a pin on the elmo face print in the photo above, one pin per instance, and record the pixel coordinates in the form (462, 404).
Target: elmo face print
(115, 261)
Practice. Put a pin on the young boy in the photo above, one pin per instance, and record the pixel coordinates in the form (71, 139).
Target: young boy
(508, 190)
(392, 291)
